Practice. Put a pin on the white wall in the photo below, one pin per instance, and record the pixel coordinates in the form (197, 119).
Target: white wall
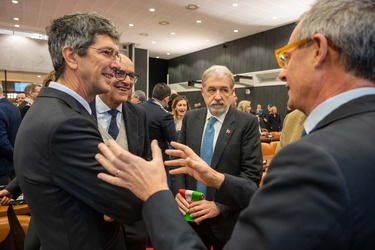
(24, 54)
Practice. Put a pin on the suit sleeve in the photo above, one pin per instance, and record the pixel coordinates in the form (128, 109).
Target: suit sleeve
(166, 226)
(169, 128)
(303, 199)
(6, 149)
(75, 170)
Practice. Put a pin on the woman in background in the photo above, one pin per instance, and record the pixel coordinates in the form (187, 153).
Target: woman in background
(274, 120)
(180, 106)
(244, 106)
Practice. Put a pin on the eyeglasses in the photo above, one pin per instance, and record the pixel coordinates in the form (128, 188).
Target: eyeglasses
(111, 53)
(122, 74)
(283, 55)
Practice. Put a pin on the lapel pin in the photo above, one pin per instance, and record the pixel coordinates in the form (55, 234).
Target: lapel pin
(228, 131)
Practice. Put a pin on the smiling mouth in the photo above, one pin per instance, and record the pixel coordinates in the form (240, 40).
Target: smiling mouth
(121, 88)
(108, 75)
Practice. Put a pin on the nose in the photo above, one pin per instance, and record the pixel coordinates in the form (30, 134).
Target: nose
(115, 64)
(217, 95)
(282, 75)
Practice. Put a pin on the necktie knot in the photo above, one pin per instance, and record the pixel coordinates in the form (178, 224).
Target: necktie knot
(113, 129)
(211, 121)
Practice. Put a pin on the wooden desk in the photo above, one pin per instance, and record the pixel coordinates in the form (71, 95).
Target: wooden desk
(18, 209)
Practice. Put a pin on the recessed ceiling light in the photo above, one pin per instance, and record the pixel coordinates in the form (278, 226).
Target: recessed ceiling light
(38, 76)
(185, 47)
(16, 25)
(143, 34)
(16, 19)
(207, 40)
(14, 1)
(192, 7)
(235, 5)
(198, 21)
(274, 18)
(131, 25)
(164, 23)
(235, 30)
(152, 9)
(172, 33)
(157, 57)
(168, 53)
(153, 42)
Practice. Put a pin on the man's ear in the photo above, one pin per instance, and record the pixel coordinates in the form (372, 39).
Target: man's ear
(321, 49)
(70, 57)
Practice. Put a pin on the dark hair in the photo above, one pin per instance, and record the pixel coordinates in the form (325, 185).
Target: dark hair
(161, 91)
(30, 88)
(78, 31)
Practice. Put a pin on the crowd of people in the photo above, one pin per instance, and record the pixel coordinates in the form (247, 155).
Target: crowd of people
(103, 167)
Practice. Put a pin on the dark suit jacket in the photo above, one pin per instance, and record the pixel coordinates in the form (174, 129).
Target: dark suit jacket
(56, 169)
(10, 119)
(136, 128)
(237, 152)
(160, 125)
(317, 193)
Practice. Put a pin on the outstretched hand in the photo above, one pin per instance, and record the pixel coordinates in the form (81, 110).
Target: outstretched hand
(143, 178)
(193, 165)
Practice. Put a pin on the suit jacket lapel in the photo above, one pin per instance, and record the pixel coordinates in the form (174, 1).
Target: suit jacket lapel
(131, 124)
(197, 133)
(227, 129)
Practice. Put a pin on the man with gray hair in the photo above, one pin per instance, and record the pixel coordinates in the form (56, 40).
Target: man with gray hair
(233, 149)
(138, 96)
(57, 142)
(317, 193)
(31, 91)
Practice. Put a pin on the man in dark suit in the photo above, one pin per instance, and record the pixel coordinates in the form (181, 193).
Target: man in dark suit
(57, 142)
(317, 193)
(31, 91)
(236, 152)
(10, 120)
(160, 121)
(132, 128)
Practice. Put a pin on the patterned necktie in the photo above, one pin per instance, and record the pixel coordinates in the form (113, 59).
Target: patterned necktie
(207, 149)
(113, 129)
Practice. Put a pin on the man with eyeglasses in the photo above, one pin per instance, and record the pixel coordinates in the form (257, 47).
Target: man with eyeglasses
(318, 191)
(58, 138)
(132, 131)
(31, 91)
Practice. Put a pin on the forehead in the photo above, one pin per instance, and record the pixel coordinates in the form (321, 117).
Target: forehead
(215, 82)
(105, 41)
(127, 65)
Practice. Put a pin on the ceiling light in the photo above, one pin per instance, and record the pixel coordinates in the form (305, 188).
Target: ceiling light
(14, 1)
(198, 21)
(16, 25)
(164, 23)
(168, 53)
(274, 18)
(38, 76)
(152, 9)
(143, 34)
(157, 56)
(153, 42)
(207, 40)
(172, 33)
(192, 7)
(235, 30)
(131, 25)
(185, 47)
(235, 5)
(16, 19)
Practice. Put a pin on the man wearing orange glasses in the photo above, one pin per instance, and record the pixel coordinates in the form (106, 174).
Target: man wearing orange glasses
(317, 193)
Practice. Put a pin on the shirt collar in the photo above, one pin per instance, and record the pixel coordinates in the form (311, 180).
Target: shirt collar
(220, 118)
(101, 107)
(73, 94)
(326, 107)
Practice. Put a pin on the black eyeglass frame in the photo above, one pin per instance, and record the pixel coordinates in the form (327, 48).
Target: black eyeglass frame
(122, 74)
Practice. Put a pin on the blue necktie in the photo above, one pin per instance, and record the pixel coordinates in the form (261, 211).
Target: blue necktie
(207, 149)
(303, 133)
(113, 129)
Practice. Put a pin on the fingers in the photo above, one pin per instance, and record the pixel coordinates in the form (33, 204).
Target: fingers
(181, 170)
(107, 218)
(113, 180)
(156, 151)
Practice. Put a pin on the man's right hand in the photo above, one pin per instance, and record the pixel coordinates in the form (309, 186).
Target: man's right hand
(182, 204)
(6, 197)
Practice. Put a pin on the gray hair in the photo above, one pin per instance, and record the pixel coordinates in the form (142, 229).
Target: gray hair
(349, 24)
(30, 88)
(79, 31)
(140, 95)
(218, 71)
